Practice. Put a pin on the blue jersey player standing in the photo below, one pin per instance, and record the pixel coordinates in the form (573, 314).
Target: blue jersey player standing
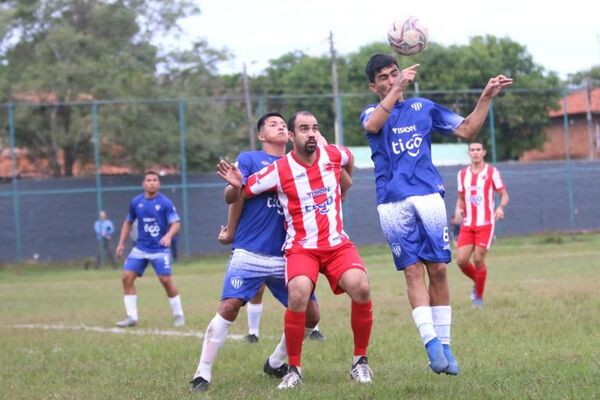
(410, 192)
(157, 222)
(257, 226)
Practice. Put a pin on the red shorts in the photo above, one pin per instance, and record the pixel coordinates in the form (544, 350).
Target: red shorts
(331, 262)
(480, 236)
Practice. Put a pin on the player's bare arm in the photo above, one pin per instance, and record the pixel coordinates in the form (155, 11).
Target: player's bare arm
(499, 213)
(173, 229)
(399, 81)
(125, 230)
(233, 216)
(471, 125)
(459, 210)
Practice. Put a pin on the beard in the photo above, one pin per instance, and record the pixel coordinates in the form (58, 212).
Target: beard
(310, 146)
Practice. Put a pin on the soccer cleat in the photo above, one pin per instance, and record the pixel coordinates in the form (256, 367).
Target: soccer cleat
(179, 320)
(276, 372)
(473, 296)
(251, 338)
(453, 367)
(199, 384)
(435, 352)
(291, 379)
(477, 302)
(361, 372)
(316, 335)
(127, 322)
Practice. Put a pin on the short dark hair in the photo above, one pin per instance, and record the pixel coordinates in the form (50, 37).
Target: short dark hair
(151, 172)
(263, 120)
(292, 121)
(477, 141)
(376, 63)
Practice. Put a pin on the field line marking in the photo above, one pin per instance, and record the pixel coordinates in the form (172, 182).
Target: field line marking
(121, 331)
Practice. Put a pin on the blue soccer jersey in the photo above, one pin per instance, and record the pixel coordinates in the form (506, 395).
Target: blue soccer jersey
(401, 150)
(154, 218)
(261, 225)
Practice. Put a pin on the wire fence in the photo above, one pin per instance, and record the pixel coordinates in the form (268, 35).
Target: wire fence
(83, 157)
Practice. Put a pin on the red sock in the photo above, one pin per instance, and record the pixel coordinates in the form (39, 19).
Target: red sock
(294, 335)
(361, 319)
(469, 271)
(480, 275)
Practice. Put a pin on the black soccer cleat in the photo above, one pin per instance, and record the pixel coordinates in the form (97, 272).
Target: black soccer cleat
(251, 338)
(199, 384)
(316, 335)
(276, 372)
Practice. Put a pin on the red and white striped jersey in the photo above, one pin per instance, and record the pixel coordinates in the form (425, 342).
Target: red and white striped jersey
(309, 194)
(478, 191)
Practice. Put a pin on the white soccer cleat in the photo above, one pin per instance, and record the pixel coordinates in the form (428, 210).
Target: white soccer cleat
(291, 379)
(179, 321)
(127, 322)
(360, 372)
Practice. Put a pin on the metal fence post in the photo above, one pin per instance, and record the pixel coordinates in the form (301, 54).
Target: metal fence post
(568, 158)
(184, 185)
(99, 203)
(15, 183)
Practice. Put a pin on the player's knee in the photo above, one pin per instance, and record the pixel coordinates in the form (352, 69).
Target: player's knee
(229, 309)
(312, 314)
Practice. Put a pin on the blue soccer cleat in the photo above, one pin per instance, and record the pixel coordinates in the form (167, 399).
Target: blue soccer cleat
(453, 367)
(435, 352)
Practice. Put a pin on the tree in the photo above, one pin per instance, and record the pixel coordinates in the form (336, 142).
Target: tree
(59, 51)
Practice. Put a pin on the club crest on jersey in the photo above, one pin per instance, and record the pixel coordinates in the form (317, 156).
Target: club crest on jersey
(416, 106)
(396, 249)
(157, 207)
(237, 282)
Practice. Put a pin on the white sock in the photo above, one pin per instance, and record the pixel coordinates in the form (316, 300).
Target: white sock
(254, 313)
(176, 305)
(130, 301)
(424, 321)
(442, 319)
(316, 328)
(277, 358)
(215, 335)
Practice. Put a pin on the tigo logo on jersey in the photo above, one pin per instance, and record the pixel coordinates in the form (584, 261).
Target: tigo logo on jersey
(237, 282)
(411, 146)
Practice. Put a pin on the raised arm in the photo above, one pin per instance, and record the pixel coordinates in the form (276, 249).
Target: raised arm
(382, 112)
(471, 125)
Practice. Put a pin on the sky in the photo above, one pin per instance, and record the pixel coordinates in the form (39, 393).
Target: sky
(564, 39)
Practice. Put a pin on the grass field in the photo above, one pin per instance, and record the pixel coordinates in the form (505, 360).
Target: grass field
(537, 337)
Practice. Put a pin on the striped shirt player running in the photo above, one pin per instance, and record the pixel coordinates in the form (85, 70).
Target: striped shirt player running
(475, 207)
(257, 226)
(410, 193)
(307, 182)
(157, 222)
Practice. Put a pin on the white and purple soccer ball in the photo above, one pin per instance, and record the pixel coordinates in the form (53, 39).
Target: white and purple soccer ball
(408, 36)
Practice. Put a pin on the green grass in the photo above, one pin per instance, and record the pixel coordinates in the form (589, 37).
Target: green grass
(537, 336)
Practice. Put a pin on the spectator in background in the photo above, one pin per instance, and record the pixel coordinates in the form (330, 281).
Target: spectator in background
(104, 229)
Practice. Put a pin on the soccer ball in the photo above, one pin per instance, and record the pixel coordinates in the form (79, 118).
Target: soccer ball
(408, 36)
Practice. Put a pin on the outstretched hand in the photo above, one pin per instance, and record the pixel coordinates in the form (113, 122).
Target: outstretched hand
(495, 85)
(407, 76)
(229, 173)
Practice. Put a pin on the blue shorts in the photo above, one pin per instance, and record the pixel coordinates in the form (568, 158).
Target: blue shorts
(247, 271)
(416, 229)
(137, 261)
